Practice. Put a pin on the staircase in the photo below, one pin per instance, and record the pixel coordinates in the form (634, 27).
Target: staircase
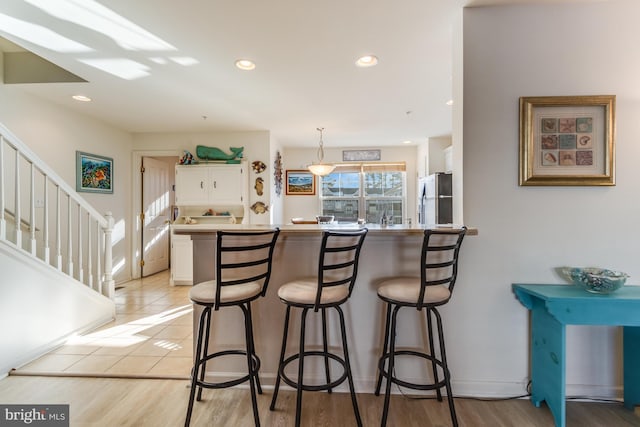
(55, 258)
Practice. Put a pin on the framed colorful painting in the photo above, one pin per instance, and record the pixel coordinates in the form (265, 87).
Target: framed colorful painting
(94, 174)
(300, 183)
(567, 140)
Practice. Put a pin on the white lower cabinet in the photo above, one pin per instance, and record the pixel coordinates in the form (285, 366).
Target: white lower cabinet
(181, 260)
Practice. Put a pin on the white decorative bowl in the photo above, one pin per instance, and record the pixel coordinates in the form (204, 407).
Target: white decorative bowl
(324, 219)
(597, 280)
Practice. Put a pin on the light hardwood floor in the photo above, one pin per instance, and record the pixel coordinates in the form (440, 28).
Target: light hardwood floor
(152, 338)
(112, 402)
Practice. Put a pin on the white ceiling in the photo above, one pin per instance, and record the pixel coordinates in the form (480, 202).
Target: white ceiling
(305, 76)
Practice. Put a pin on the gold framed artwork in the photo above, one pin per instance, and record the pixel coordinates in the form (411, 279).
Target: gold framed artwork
(567, 140)
(300, 183)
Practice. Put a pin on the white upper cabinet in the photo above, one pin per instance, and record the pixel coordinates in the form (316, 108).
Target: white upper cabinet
(211, 184)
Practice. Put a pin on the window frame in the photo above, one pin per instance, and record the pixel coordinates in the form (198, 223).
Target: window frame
(362, 199)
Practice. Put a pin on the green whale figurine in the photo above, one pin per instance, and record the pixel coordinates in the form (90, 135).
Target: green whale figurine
(213, 153)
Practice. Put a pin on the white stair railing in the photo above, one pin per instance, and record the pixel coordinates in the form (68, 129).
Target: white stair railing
(81, 237)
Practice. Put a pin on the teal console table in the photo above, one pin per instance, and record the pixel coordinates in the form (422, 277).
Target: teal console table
(555, 306)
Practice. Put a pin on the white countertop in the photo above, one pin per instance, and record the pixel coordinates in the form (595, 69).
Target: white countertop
(308, 228)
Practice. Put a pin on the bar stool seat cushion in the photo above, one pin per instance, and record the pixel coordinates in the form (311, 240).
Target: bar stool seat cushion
(407, 290)
(304, 291)
(205, 292)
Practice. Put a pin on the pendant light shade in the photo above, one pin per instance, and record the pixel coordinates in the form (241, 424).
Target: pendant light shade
(321, 169)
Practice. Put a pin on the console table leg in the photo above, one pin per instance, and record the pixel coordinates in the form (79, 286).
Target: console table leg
(631, 343)
(548, 361)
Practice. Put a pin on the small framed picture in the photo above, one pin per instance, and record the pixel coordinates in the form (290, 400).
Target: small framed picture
(94, 174)
(567, 140)
(300, 183)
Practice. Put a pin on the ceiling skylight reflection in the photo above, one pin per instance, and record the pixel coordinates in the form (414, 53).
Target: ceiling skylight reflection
(121, 67)
(39, 35)
(110, 56)
(158, 60)
(93, 15)
(185, 61)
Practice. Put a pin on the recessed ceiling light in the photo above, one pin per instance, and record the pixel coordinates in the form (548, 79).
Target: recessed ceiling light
(450, 102)
(245, 64)
(406, 142)
(367, 61)
(81, 98)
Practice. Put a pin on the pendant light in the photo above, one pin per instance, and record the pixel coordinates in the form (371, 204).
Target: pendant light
(321, 169)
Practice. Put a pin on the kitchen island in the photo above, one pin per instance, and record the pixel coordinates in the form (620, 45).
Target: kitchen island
(387, 252)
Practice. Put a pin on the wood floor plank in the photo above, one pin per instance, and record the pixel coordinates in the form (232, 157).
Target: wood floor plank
(108, 402)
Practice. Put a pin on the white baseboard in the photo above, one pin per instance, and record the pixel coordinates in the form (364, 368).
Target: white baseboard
(475, 389)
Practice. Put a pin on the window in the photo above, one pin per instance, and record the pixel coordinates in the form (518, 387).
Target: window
(367, 190)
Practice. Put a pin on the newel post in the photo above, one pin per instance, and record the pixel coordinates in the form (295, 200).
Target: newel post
(108, 284)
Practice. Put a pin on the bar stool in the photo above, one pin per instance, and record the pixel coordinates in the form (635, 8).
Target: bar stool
(434, 287)
(337, 271)
(243, 269)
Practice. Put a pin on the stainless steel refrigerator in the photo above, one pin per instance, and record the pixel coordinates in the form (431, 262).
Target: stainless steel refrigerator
(435, 201)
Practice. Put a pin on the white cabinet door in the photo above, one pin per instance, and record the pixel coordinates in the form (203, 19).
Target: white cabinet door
(181, 260)
(210, 185)
(227, 185)
(192, 185)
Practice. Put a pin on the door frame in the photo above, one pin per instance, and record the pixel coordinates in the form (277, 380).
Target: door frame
(136, 200)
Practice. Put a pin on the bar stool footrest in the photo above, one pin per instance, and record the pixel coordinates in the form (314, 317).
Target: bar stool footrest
(230, 383)
(314, 387)
(414, 386)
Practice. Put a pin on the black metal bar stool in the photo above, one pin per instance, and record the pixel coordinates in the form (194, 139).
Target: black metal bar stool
(434, 287)
(337, 271)
(243, 269)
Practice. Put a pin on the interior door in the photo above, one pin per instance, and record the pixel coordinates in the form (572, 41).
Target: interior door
(156, 188)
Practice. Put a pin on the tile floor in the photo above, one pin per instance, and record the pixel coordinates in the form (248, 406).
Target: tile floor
(152, 337)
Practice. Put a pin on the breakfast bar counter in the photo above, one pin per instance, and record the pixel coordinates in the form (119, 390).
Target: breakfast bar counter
(387, 252)
(195, 229)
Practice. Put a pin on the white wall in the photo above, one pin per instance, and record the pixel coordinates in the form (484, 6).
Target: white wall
(422, 158)
(525, 232)
(457, 113)
(436, 154)
(309, 206)
(54, 133)
(40, 307)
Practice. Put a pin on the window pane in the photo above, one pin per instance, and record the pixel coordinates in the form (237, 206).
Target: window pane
(382, 192)
(341, 209)
(341, 185)
(385, 184)
(375, 208)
